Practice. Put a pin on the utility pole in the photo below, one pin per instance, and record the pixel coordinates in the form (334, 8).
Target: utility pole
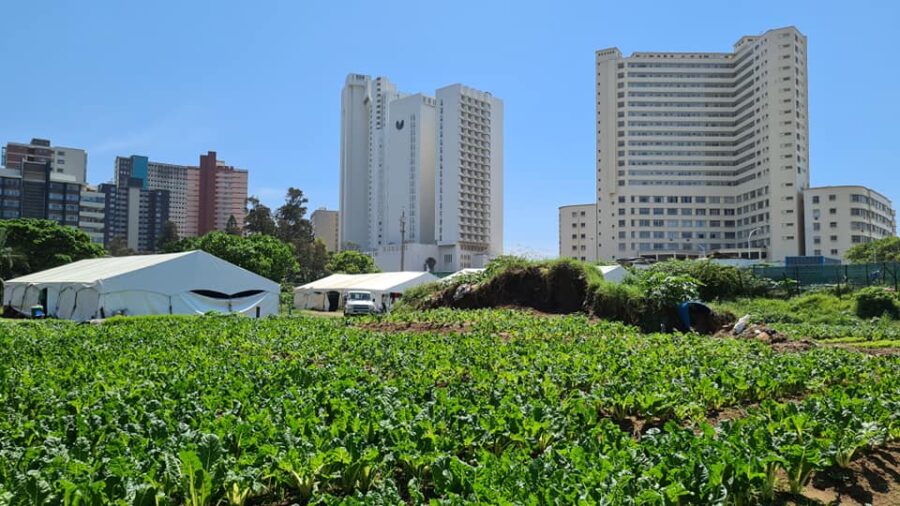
(402, 237)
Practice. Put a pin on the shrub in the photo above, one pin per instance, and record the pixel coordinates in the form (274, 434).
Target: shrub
(716, 281)
(622, 302)
(875, 301)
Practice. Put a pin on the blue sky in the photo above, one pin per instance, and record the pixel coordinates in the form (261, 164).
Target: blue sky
(259, 82)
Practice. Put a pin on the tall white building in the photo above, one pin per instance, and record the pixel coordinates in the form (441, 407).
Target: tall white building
(701, 152)
(421, 170)
(840, 217)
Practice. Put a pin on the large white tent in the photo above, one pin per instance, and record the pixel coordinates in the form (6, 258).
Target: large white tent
(327, 294)
(191, 282)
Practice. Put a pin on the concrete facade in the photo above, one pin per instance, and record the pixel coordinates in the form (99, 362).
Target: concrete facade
(326, 226)
(699, 152)
(70, 162)
(92, 214)
(222, 193)
(840, 217)
(436, 162)
(578, 232)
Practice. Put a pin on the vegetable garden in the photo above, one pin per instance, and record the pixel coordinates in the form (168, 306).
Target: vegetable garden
(490, 406)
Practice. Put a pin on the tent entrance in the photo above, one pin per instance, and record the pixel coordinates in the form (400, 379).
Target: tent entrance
(334, 300)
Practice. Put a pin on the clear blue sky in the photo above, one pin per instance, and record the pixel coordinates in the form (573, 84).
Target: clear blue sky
(260, 82)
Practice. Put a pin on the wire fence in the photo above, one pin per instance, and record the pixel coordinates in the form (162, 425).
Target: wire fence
(853, 275)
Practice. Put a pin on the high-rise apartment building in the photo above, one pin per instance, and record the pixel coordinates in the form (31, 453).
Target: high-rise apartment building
(423, 171)
(840, 217)
(198, 200)
(699, 152)
(31, 189)
(578, 232)
(222, 193)
(92, 214)
(326, 226)
(67, 161)
(137, 212)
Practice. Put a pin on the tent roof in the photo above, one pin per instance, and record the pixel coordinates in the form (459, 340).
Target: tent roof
(168, 273)
(378, 282)
(95, 269)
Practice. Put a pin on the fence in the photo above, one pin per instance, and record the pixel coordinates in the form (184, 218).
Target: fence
(854, 275)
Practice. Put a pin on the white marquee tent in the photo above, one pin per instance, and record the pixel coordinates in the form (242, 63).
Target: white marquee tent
(327, 294)
(191, 282)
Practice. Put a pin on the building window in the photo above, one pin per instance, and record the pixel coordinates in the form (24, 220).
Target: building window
(815, 199)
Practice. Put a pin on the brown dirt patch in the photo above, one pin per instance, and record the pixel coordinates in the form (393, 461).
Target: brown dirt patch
(872, 478)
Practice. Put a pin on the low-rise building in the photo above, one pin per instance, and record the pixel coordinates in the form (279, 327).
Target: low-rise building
(840, 217)
(578, 232)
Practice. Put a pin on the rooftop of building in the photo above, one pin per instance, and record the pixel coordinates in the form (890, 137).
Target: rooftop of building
(695, 55)
(818, 189)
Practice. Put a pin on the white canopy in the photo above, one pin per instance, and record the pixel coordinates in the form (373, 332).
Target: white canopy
(315, 295)
(613, 273)
(191, 282)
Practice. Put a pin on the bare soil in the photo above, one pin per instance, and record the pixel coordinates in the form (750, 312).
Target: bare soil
(872, 478)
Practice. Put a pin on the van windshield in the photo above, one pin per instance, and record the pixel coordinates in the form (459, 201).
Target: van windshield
(359, 296)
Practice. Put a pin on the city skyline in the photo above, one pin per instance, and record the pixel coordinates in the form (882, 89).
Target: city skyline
(545, 80)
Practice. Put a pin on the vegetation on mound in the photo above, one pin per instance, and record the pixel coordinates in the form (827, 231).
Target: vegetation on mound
(647, 298)
(516, 409)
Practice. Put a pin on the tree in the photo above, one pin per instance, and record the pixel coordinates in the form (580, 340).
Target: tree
(118, 247)
(351, 262)
(312, 258)
(259, 218)
(263, 254)
(882, 250)
(293, 227)
(168, 235)
(10, 257)
(43, 244)
(232, 226)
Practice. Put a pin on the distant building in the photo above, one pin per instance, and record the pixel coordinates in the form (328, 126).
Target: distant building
(68, 161)
(222, 193)
(92, 214)
(139, 211)
(422, 170)
(31, 189)
(578, 232)
(197, 200)
(325, 226)
(840, 217)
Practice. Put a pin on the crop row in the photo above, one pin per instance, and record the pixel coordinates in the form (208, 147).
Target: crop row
(518, 408)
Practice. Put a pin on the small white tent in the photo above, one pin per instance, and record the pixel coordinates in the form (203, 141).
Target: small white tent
(327, 294)
(191, 282)
(613, 273)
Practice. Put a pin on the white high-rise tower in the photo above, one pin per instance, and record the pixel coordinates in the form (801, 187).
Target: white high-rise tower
(437, 162)
(701, 152)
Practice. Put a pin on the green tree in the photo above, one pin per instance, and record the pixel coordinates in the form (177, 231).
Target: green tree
(44, 244)
(351, 262)
(259, 218)
(312, 258)
(118, 247)
(882, 250)
(232, 226)
(263, 254)
(168, 235)
(10, 257)
(293, 226)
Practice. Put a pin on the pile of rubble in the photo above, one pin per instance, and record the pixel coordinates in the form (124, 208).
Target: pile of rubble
(743, 329)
